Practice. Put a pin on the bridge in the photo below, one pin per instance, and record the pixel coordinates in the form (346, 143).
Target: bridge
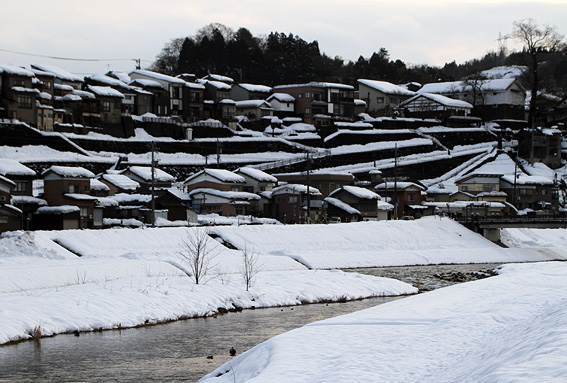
(490, 227)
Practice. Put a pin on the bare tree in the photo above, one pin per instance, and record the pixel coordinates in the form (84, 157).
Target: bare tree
(537, 41)
(167, 60)
(199, 251)
(250, 267)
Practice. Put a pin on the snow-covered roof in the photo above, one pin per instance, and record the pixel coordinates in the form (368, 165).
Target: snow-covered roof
(16, 71)
(440, 99)
(121, 181)
(357, 192)
(83, 94)
(316, 84)
(341, 205)
(122, 76)
(399, 185)
(38, 72)
(105, 91)
(97, 185)
(523, 179)
(359, 102)
(257, 174)
(194, 85)
(73, 97)
(111, 81)
(217, 84)
(156, 76)
(147, 82)
(180, 194)
(26, 199)
(220, 174)
(256, 88)
(281, 97)
(501, 165)
(226, 194)
(126, 198)
(386, 87)
(21, 89)
(218, 77)
(59, 73)
(64, 209)
(145, 173)
(253, 104)
(7, 181)
(70, 171)
(10, 167)
(63, 87)
(295, 189)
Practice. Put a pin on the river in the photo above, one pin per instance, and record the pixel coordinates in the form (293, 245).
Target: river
(186, 350)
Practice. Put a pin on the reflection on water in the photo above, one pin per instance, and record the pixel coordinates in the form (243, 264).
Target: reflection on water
(179, 351)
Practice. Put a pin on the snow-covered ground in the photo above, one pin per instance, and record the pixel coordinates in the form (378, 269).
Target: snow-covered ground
(509, 328)
(131, 277)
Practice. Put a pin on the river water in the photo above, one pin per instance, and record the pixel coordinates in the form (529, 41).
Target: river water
(185, 351)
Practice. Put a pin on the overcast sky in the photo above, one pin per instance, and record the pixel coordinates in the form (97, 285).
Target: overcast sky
(115, 32)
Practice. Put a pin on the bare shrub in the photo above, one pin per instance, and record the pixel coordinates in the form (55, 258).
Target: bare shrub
(250, 267)
(199, 251)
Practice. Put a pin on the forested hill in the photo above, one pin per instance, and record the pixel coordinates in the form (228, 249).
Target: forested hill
(281, 58)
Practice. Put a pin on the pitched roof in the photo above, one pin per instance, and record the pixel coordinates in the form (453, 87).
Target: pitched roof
(341, 205)
(440, 99)
(256, 174)
(10, 167)
(357, 192)
(386, 87)
(70, 171)
(145, 173)
(220, 174)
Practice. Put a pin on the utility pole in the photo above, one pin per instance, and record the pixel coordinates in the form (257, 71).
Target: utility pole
(308, 195)
(153, 214)
(396, 181)
(219, 152)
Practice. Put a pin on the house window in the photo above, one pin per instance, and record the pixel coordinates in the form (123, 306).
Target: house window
(234, 188)
(195, 97)
(411, 197)
(465, 188)
(21, 186)
(488, 188)
(175, 92)
(380, 100)
(106, 106)
(292, 199)
(24, 101)
(3, 220)
(307, 95)
(73, 188)
(84, 211)
(307, 110)
(239, 209)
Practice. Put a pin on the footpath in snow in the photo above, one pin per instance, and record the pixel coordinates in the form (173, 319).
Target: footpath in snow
(508, 328)
(63, 281)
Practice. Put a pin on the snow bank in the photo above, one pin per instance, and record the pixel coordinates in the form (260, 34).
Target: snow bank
(375, 244)
(512, 327)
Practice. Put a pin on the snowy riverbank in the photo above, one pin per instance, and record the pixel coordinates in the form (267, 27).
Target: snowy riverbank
(62, 281)
(508, 328)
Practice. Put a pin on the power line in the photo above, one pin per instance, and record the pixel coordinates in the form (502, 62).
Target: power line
(67, 58)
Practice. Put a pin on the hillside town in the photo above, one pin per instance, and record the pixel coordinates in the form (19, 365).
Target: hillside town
(147, 149)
